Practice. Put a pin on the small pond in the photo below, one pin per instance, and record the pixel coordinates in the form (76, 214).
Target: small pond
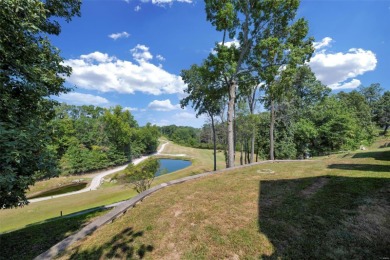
(171, 165)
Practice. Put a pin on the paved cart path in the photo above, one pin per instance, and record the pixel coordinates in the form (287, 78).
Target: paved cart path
(97, 179)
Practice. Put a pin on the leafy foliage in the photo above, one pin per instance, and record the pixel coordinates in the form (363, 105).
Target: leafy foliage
(142, 175)
(90, 138)
(31, 70)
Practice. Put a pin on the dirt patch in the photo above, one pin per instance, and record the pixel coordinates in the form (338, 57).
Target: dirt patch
(314, 188)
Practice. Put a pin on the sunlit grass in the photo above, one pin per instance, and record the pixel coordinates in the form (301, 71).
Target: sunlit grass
(333, 208)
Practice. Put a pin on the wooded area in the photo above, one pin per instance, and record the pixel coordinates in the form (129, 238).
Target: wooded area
(255, 86)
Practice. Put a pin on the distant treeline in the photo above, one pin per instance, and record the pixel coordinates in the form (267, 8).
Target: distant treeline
(86, 138)
(314, 122)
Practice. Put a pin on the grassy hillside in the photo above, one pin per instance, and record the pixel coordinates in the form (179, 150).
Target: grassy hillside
(337, 207)
(283, 209)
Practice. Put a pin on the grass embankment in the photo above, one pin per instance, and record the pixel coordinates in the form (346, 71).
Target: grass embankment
(338, 207)
(12, 219)
(31, 241)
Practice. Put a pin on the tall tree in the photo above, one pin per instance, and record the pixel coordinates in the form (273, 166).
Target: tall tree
(253, 23)
(277, 56)
(31, 70)
(203, 95)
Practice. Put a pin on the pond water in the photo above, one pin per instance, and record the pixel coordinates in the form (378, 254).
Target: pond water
(171, 165)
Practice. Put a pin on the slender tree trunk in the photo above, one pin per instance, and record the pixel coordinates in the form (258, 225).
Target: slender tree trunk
(230, 121)
(271, 132)
(214, 143)
(248, 154)
(252, 146)
(242, 148)
(245, 162)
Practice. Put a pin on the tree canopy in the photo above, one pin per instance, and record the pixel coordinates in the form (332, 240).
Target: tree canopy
(31, 70)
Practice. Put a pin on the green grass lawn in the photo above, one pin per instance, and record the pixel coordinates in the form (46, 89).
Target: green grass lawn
(12, 219)
(31, 241)
(337, 207)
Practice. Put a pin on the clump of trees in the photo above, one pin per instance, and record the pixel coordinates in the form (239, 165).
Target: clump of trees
(262, 60)
(31, 70)
(184, 135)
(87, 138)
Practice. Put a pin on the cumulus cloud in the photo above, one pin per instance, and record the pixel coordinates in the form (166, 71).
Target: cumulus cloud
(162, 105)
(75, 98)
(339, 70)
(346, 85)
(141, 53)
(137, 8)
(98, 71)
(97, 57)
(116, 36)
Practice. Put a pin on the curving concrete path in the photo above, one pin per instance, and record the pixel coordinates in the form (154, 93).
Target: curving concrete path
(97, 180)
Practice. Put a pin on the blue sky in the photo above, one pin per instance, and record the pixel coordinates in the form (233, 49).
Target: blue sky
(131, 52)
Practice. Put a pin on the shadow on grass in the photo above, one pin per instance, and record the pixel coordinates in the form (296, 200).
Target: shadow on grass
(379, 155)
(34, 239)
(326, 217)
(122, 246)
(361, 167)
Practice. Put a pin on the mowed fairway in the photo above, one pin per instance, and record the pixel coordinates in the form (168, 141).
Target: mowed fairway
(337, 207)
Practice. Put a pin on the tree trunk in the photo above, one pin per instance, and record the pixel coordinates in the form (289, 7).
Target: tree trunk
(271, 132)
(214, 143)
(252, 146)
(230, 116)
(242, 148)
(386, 127)
(248, 154)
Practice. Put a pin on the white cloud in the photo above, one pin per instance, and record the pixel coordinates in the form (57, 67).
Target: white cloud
(160, 57)
(339, 70)
(137, 8)
(141, 53)
(323, 43)
(75, 98)
(346, 85)
(98, 57)
(130, 108)
(162, 105)
(180, 119)
(127, 1)
(98, 71)
(116, 36)
(230, 43)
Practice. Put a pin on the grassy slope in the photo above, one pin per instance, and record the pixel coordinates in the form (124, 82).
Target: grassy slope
(338, 207)
(12, 219)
